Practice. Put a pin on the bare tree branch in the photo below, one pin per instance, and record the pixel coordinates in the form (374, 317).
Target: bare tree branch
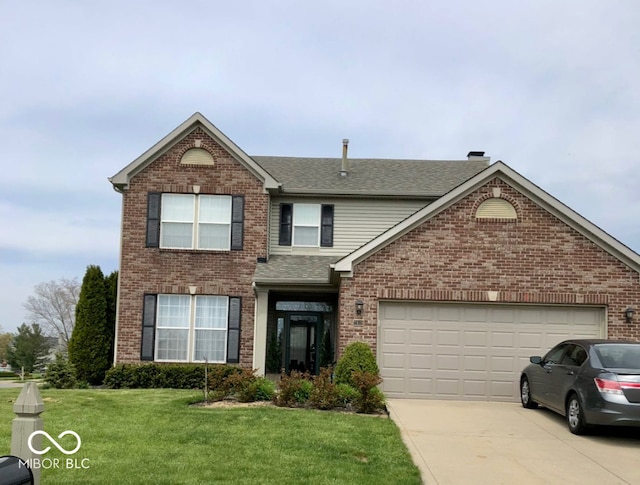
(53, 307)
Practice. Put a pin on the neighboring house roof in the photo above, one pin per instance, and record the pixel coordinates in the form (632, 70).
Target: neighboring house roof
(121, 180)
(370, 176)
(520, 183)
(295, 270)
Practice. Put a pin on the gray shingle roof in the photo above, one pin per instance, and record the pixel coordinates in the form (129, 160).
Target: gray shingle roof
(369, 176)
(294, 269)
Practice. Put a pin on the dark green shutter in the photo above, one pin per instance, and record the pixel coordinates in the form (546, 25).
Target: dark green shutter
(153, 219)
(237, 220)
(233, 337)
(286, 220)
(326, 226)
(148, 327)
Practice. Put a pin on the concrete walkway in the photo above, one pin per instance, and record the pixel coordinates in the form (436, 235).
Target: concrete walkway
(455, 442)
(10, 384)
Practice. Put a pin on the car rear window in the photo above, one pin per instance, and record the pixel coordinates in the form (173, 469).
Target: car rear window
(621, 356)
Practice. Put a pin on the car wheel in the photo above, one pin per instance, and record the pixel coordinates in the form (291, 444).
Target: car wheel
(525, 394)
(575, 416)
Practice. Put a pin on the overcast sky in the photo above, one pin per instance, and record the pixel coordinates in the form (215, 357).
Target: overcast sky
(549, 87)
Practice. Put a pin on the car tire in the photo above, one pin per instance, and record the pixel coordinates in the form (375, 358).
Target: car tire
(575, 415)
(525, 394)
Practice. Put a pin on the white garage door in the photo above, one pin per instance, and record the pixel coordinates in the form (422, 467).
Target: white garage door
(471, 351)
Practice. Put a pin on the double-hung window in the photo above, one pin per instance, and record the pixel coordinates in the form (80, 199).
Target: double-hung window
(196, 222)
(188, 221)
(306, 225)
(191, 328)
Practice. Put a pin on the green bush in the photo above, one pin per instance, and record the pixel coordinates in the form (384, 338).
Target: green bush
(61, 374)
(247, 387)
(370, 398)
(294, 389)
(168, 376)
(324, 394)
(9, 375)
(357, 357)
(346, 395)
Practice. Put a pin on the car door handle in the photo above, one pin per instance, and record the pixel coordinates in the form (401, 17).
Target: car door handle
(570, 373)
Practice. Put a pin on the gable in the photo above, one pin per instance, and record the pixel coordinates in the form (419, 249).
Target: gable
(506, 177)
(206, 140)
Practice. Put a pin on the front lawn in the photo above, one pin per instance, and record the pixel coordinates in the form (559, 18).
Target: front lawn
(145, 436)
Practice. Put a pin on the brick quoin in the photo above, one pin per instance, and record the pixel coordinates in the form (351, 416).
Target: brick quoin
(453, 257)
(153, 270)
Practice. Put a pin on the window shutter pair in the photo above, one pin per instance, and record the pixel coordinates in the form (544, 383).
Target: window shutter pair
(154, 210)
(326, 225)
(147, 345)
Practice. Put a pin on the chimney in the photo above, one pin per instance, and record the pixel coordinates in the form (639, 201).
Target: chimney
(473, 155)
(345, 163)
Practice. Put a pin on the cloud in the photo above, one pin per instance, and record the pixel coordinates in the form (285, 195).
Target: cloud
(548, 87)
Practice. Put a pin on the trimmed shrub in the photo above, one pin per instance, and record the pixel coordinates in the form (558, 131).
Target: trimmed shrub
(61, 374)
(247, 387)
(294, 389)
(9, 375)
(169, 376)
(346, 395)
(370, 398)
(324, 394)
(357, 357)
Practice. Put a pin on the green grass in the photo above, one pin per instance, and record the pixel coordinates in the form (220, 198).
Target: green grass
(151, 436)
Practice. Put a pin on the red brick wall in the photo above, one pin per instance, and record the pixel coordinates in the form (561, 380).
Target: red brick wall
(454, 257)
(153, 270)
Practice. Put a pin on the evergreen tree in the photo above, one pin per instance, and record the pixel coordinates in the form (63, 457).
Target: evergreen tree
(111, 288)
(89, 344)
(29, 348)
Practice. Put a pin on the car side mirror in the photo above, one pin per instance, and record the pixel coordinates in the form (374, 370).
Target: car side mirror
(536, 359)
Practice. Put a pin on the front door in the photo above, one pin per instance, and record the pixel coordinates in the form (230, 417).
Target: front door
(302, 349)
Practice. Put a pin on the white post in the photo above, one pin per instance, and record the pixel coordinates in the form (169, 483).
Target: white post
(27, 407)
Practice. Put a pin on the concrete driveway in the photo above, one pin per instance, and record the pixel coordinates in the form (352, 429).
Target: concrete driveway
(456, 442)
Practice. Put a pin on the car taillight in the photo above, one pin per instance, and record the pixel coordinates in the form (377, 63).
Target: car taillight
(608, 386)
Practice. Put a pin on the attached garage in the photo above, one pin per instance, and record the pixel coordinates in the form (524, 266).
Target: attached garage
(471, 351)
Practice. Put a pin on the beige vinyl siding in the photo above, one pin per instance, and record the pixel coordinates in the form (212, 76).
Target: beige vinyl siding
(356, 221)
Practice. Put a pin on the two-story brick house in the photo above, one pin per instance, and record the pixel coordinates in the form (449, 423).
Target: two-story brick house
(453, 271)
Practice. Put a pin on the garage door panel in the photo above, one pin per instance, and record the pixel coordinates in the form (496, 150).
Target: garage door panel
(531, 340)
(394, 361)
(475, 363)
(447, 362)
(476, 338)
(471, 351)
(420, 336)
(394, 335)
(448, 338)
(503, 363)
(421, 361)
(502, 339)
(448, 388)
(501, 389)
(474, 388)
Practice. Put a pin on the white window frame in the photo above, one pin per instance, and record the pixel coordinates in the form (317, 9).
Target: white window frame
(317, 225)
(196, 223)
(191, 329)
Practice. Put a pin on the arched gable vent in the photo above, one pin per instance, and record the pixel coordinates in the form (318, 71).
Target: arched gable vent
(197, 156)
(496, 208)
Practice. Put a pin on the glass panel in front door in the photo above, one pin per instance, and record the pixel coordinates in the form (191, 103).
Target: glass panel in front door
(302, 343)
